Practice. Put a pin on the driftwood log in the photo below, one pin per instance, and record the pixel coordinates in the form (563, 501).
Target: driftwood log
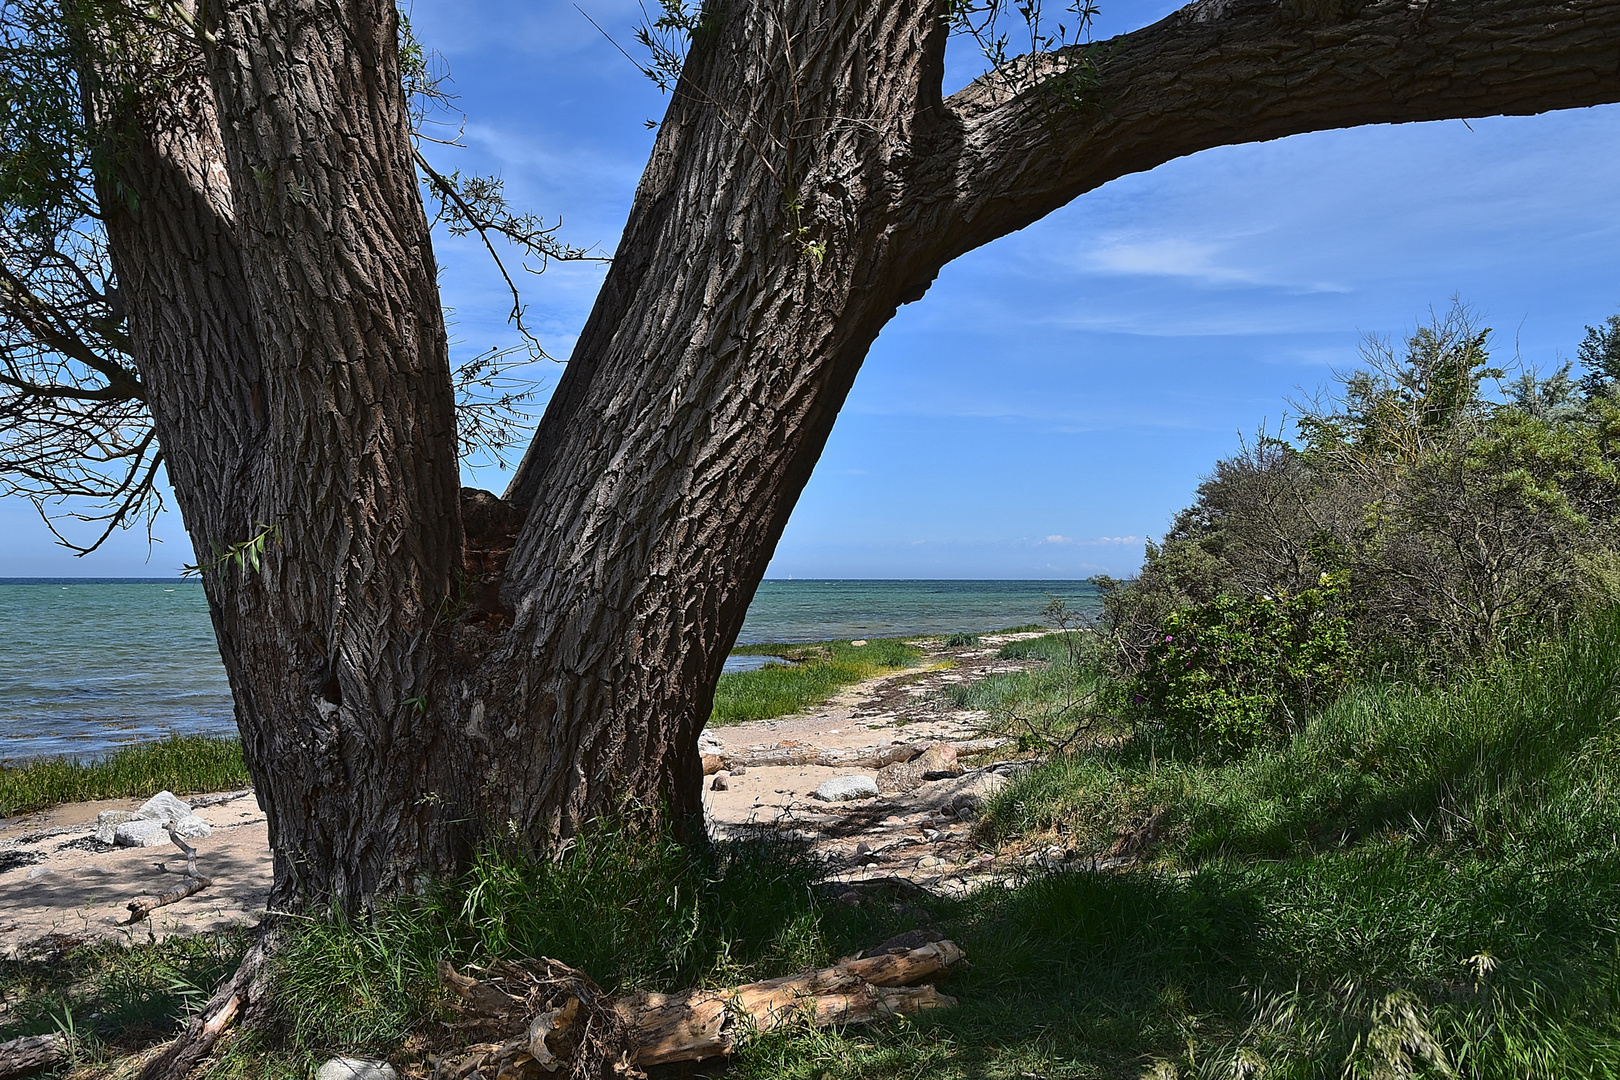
(698, 1024)
(143, 906)
(854, 757)
(544, 1019)
(31, 1054)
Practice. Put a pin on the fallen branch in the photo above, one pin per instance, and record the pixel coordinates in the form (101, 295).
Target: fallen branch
(31, 1054)
(864, 757)
(142, 907)
(537, 1017)
(698, 1024)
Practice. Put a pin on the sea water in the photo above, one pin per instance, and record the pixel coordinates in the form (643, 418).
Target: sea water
(88, 665)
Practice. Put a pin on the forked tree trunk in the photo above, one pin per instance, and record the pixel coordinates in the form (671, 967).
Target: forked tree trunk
(808, 179)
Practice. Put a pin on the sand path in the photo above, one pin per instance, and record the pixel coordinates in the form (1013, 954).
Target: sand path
(920, 835)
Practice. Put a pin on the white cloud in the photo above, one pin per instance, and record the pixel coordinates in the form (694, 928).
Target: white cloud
(1197, 260)
(1168, 257)
(1055, 539)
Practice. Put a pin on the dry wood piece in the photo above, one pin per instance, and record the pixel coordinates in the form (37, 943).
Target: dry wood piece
(698, 1024)
(141, 907)
(530, 1020)
(31, 1053)
(862, 757)
(544, 1019)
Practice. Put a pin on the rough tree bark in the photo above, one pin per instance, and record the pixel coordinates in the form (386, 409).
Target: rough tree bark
(808, 179)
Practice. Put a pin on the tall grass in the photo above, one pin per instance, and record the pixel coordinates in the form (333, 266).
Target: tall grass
(818, 671)
(182, 764)
(117, 997)
(631, 909)
(1432, 874)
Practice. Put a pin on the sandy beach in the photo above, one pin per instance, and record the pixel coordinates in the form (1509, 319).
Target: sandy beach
(58, 883)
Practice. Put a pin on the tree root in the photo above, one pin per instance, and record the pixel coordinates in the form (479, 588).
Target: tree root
(32, 1054)
(537, 1018)
(243, 995)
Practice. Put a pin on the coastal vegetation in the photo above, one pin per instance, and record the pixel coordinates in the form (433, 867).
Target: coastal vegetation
(810, 674)
(182, 764)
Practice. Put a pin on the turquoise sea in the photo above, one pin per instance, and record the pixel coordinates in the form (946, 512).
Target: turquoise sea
(90, 664)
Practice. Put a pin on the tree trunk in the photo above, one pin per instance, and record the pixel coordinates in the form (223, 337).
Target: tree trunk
(809, 178)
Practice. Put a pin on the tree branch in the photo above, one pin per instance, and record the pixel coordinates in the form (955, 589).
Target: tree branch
(1222, 72)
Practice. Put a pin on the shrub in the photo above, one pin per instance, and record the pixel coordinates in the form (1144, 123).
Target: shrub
(1235, 673)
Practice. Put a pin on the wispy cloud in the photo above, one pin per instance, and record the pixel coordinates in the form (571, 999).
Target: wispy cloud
(1204, 261)
(1168, 257)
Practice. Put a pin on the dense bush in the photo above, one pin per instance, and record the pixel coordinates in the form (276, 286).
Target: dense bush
(1466, 524)
(1239, 672)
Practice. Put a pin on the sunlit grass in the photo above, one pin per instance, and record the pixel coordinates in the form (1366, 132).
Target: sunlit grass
(181, 764)
(814, 674)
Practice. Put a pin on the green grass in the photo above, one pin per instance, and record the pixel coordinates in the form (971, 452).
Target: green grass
(819, 671)
(1438, 862)
(1423, 883)
(116, 997)
(181, 764)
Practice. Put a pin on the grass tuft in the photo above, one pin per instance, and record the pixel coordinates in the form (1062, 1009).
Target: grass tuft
(633, 910)
(182, 764)
(817, 672)
(116, 997)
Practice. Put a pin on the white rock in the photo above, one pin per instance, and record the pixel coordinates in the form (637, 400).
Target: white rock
(842, 788)
(343, 1068)
(164, 806)
(192, 828)
(928, 862)
(38, 872)
(108, 820)
(146, 832)
(141, 832)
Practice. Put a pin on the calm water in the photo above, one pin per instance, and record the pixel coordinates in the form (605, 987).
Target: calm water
(87, 665)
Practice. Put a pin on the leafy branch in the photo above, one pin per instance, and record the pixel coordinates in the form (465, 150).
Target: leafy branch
(244, 555)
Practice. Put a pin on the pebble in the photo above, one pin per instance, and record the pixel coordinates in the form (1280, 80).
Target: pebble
(344, 1068)
(721, 782)
(844, 788)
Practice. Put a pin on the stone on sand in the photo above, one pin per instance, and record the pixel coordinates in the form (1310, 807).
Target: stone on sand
(345, 1068)
(844, 788)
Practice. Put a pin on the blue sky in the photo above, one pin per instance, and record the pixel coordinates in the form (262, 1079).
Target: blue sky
(1056, 396)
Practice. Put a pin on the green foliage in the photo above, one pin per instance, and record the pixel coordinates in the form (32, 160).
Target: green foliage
(181, 764)
(244, 556)
(961, 641)
(1421, 870)
(818, 671)
(1599, 354)
(1464, 527)
(118, 997)
(1237, 673)
(633, 909)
